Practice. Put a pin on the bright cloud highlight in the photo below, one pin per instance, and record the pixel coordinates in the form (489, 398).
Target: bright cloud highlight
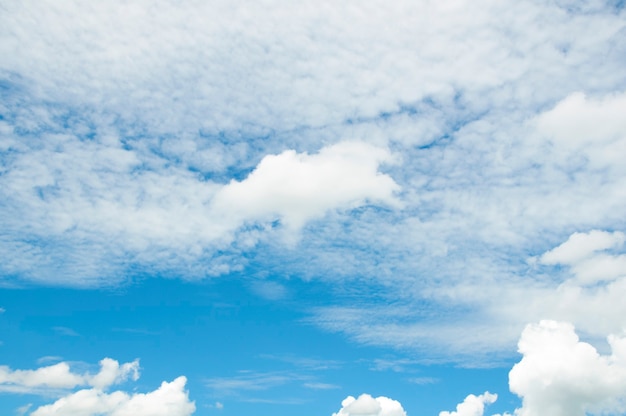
(472, 405)
(298, 187)
(559, 375)
(366, 405)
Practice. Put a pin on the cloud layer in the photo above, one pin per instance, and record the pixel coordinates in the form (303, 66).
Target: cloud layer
(427, 159)
(561, 375)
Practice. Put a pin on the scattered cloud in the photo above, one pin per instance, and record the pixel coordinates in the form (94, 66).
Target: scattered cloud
(367, 405)
(472, 405)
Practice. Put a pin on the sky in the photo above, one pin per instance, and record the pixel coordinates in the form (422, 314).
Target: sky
(356, 208)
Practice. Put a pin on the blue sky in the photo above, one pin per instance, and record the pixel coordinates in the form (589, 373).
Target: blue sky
(363, 208)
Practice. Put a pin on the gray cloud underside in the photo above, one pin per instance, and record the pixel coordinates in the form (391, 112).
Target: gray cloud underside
(122, 123)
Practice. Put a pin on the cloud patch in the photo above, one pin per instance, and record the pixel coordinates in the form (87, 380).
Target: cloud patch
(559, 375)
(366, 405)
(586, 254)
(60, 376)
(170, 399)
(298, 187)
(472, 405)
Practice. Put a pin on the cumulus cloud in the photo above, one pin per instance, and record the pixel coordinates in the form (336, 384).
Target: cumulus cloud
(299, 187)
(562, 376)
(60, 376)
(170, 399)
(472, 405)
(366, 405)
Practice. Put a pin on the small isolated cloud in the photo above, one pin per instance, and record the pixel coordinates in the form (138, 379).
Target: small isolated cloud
(298, 187)
(62, 330)
(170, 399)
(2, 310)
(219, 405)
(561, 376)
(366, 405)
(320, 386)
(583, 253)
(60, 376)
(472, 405)
(423, 380)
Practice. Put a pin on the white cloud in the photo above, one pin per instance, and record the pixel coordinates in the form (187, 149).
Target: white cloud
(581, 245)
(580, 252)
(170, 399)
(300, 187)
(472, 405)
(560, 375)
(60, 376)
(578, 122)
(366, 405)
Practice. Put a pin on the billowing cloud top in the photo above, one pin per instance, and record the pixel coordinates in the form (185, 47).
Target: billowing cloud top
(366, 405)
(562, 376)
(170, 399)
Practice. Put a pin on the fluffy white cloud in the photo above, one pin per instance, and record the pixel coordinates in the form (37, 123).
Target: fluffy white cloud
(580, 252)
(579, 246)
(60, 376)
(595, 127)
(472, 405)
(560, 375)
(366, 405)
(298, 187)
(170, 399)
(128, 133)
